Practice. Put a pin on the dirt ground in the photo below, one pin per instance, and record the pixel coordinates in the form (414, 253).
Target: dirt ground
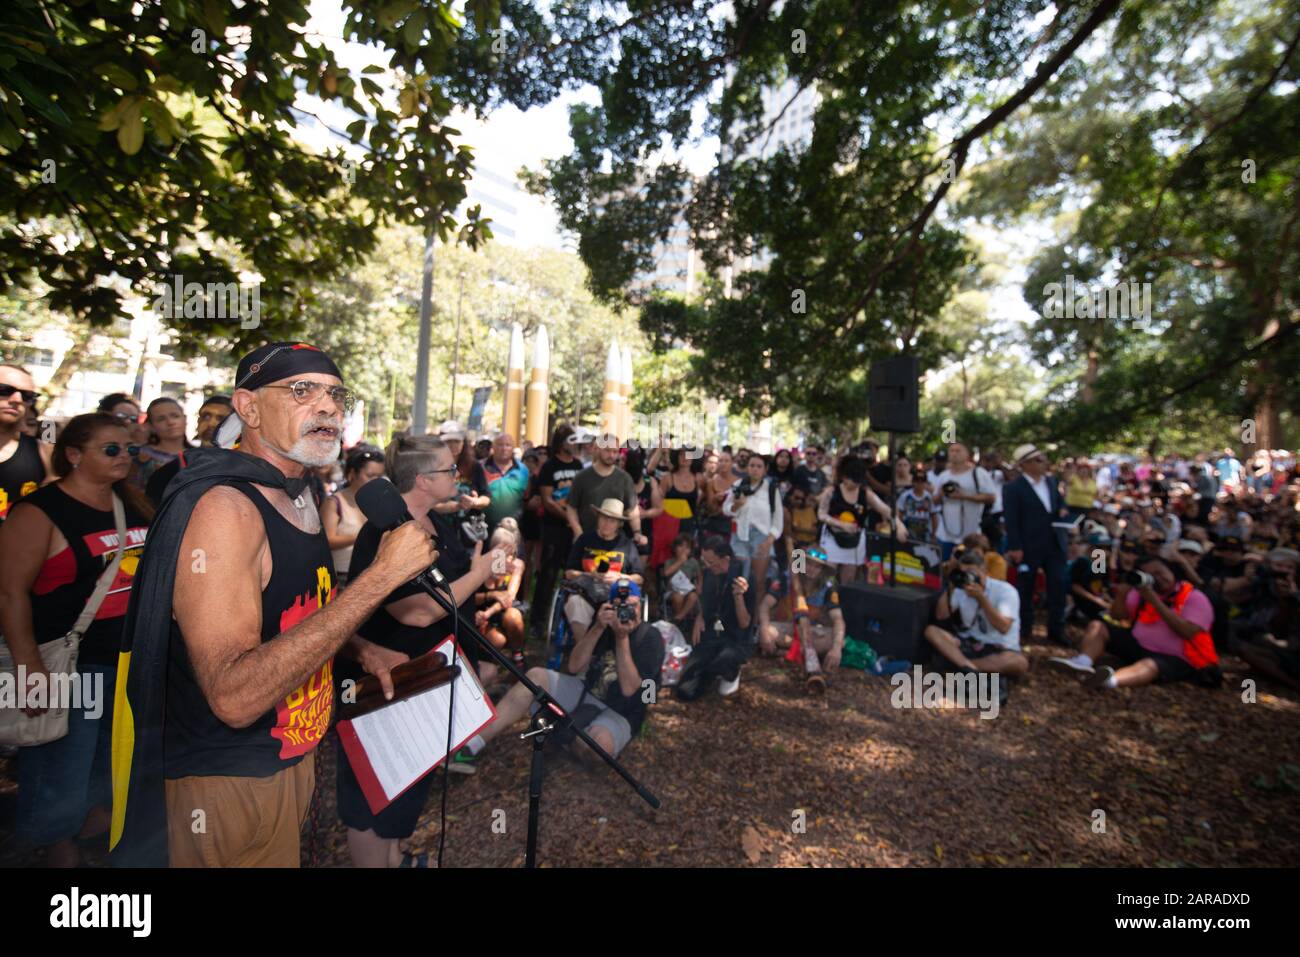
(772, 777)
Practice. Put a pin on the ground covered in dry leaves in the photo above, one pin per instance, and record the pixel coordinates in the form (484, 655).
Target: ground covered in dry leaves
(1184, 776)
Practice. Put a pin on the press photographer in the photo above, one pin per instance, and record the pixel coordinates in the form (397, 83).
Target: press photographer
(598, 559)
(984, 615)
(619, 658)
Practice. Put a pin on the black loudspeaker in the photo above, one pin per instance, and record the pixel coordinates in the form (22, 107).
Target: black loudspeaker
(890, 620)
(895, 400)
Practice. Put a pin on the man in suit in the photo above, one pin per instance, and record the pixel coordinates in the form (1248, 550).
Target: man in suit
(1030, 504)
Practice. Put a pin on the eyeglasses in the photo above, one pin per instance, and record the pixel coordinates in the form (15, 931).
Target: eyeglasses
(304, 391)
(28, 395)
(452, 470)
(114, 449)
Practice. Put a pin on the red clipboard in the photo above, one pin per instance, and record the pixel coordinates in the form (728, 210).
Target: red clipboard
(363, 765)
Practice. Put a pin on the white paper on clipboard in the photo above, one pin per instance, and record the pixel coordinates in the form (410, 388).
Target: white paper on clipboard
(405, 740)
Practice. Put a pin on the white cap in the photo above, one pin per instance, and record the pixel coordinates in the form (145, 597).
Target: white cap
(451, 429)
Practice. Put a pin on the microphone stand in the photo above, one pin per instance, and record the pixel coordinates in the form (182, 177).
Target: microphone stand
(540, 725)
(893, 511)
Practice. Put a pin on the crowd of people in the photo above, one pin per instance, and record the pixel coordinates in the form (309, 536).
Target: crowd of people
(1141, 570)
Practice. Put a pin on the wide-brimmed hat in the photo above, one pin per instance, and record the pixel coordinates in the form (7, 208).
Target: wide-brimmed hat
(611, 508)
(1026, 451)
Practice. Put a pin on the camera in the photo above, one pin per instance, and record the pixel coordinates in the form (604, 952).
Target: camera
(1138, 579)
(950, 487)
(621, 599)
(742, 491)
(960, 578)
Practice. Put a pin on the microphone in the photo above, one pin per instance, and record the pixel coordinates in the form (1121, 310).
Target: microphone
(384, 507)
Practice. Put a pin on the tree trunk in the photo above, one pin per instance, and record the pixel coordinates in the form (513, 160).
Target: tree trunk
(72, 360)
(1090, 372)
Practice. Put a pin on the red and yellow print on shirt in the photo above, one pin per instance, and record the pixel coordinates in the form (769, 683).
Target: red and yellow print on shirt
(594, 556)
(103, 545)
(27, 489)
(303, 717)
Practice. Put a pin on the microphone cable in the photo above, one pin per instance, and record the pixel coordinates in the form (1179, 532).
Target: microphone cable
(451, 717)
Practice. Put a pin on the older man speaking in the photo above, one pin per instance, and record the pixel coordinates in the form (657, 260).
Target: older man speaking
(225, 678)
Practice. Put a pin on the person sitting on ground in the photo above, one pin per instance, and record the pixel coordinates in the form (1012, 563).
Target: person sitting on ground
(619, 660)
(722, 631)
(984, 615)
(499, 616)
(682, 573)
(819, 621)
(1088, 579)
(1266, 633)
(994, 563)
(1169, 639)
(604, 554)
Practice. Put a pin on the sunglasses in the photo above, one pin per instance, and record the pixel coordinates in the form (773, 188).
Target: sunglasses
(128, 417)
(114, 449)
(28, 395)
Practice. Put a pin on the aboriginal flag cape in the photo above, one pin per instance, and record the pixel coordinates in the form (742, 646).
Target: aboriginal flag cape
(139, 830)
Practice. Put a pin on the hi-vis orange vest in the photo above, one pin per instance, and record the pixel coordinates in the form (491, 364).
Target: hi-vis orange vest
(1200, 648)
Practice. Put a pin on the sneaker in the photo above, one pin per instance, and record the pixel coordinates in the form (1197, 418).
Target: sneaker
(727, 688)
(462, 762)
(1099, 677)
(1071, 665)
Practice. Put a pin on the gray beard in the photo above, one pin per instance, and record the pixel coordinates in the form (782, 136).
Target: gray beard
(302, 454)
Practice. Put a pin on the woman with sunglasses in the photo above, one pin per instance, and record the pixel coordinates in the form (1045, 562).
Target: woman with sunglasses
(166, 419)
(24, 462)
(57, 542)
(341, 516)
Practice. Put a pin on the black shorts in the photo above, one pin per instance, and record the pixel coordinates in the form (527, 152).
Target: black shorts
(398, 820)
(1121, 643)
(970, 651)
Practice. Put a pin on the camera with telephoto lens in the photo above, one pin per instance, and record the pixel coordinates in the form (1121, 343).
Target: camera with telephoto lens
(1138, 579)
(621, 598)
(742, 491)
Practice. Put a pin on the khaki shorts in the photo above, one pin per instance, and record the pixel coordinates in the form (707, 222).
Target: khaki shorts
(245, 822)
(579, 611)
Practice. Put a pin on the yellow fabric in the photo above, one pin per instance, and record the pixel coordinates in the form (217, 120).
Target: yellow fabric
(123, 743)
(678, 508)
(1080, 492)
(995, 565)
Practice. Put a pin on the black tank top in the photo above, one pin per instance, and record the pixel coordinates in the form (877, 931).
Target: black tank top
(847, 511)
(196, 741)
(20, 474)
(67, 579)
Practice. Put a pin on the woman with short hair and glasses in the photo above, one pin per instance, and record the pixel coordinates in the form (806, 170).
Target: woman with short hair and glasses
(57, 542)
(407, 624)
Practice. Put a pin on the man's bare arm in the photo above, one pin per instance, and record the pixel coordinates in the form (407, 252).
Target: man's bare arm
(219, 613)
